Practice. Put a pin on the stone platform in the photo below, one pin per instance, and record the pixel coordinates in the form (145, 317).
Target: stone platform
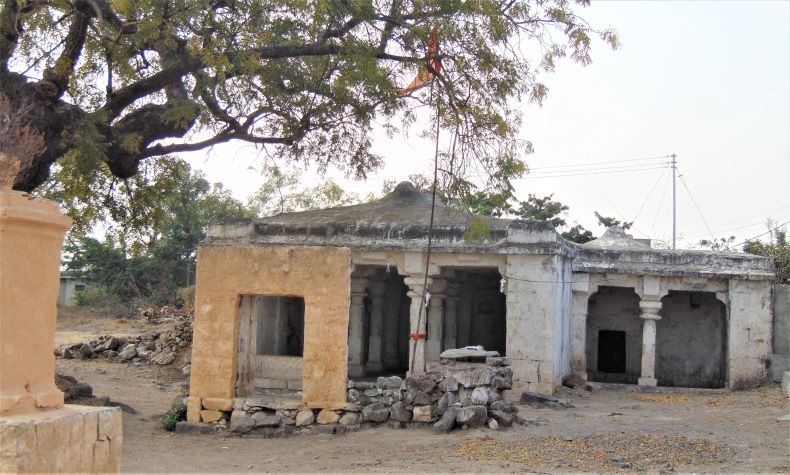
(70, 439)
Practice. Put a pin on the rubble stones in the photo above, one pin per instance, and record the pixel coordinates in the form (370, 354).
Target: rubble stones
(398, 412)
(472, 416)
(210, 415)
(127, 353)
(480, 396)
(376, 412)
(304, 417)
(327, 417)
(422, 414)
(447, 421)
(503, 418)
(542, 400)
(492, 424)
(391, 382)
(241, 423)
(349, 419)
(262, 419)
(163, 358)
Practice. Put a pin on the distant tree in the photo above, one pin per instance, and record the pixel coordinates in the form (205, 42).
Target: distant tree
(280, 193)
(609, 222)
(578, 234)
(720, 244)
(543, 209)
(777, 248)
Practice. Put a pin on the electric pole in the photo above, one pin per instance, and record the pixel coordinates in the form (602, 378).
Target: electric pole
(674, 206)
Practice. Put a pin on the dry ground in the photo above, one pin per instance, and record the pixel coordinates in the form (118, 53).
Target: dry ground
(609, 430)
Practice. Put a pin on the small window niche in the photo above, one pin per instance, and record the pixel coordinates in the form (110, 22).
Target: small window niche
(611, 351)
(280, 326)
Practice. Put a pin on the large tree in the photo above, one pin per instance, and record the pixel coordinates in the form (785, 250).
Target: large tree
(111, 83)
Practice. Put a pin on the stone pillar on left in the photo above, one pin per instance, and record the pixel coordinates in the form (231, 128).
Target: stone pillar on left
(356, 328)
(33, 418)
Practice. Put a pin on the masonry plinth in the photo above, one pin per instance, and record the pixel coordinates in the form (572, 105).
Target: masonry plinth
(37, 432)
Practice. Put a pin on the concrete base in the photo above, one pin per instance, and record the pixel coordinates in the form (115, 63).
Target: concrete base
(649, 382)
(779, 365)
(786, 382)
(70, 439)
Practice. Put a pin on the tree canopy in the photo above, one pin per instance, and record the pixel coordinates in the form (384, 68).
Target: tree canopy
(114, 83)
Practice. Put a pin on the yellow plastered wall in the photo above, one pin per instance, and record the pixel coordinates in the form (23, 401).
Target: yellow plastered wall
(321, 275)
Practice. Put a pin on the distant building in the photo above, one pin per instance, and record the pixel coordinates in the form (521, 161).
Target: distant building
(70, 287)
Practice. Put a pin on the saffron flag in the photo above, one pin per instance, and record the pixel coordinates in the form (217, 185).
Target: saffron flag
(433, 66)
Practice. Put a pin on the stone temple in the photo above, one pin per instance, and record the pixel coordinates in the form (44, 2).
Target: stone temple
(305, 301)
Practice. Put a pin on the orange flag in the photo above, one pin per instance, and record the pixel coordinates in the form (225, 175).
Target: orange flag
(426, 75)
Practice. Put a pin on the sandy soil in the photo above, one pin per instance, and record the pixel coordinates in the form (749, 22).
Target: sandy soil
(731, 432)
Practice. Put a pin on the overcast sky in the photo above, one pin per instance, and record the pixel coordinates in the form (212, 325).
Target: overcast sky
(708, 81)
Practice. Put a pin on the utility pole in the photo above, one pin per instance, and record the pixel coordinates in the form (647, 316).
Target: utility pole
(674, 202)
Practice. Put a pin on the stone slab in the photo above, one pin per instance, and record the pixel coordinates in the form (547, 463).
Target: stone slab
(70, 439)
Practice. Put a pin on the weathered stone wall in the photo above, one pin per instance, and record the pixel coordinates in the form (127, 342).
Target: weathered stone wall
(319, 275)
(781, 332)
(538, 316)
(749, 333)
(690, 341)
(72, 439)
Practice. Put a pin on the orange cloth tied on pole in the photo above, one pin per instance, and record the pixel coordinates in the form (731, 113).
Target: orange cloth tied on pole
(433, 66)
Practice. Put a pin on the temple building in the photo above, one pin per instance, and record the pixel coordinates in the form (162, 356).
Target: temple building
(305, 301)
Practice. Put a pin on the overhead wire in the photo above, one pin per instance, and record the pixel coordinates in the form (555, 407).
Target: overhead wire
(639, 211)
(660, 205)
(693, 201)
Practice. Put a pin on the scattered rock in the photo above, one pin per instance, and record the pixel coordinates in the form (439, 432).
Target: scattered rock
(129, 352)
(503, 418)
(542, 400)
(164, 358)
(263, 419)
(480, 396)
(472, 416)
(492, 424)
(391, 382)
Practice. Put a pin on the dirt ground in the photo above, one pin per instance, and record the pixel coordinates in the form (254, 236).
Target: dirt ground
(608, 430)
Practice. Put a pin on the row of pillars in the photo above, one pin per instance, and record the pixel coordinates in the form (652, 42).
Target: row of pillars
(437, 319)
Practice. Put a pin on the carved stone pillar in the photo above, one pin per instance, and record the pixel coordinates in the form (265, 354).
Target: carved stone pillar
(375, 344)
(649, 315)
(417, 323)
(356, 329)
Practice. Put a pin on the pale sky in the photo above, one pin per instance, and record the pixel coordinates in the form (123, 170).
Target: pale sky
(708, 81)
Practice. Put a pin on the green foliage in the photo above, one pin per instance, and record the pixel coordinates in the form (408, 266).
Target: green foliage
(176, 413)
(777, 248)
(543, 209)
(578, 234)
(307, 80)
(154, 222)
(720, 244)
(477, 231)
(280, 193)
(609, 222)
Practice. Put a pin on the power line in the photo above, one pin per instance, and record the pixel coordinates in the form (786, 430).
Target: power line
(685, 185)
(600, 163)
(612, 167)
(660, 205)
(648, 197)
(586, 174)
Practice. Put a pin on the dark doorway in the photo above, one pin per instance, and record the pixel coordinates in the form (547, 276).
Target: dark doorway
(611, 351)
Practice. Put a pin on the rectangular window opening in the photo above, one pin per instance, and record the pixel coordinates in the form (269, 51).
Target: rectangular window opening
(280, 328)
(611, 351)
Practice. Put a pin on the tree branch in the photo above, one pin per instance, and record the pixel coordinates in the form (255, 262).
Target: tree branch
(56, 79)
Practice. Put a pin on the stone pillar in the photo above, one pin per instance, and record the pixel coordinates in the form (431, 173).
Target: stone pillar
(37, 432)
(451, 316)
(375, 363)
(649, 315)
(392, 315)
(356, 329)
(580, 298)
(417, 323)
(435, 340)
